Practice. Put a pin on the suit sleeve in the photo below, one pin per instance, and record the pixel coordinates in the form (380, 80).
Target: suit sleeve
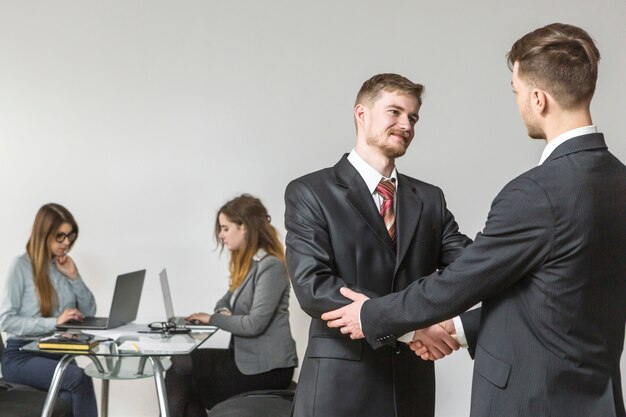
(310, 256)
(452, 242)
(270, 284)
(517, 238)
(223, 303)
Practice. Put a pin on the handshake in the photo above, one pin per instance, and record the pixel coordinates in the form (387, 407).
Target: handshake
(430, 343)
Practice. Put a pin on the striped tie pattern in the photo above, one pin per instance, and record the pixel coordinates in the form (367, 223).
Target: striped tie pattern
(386, 189)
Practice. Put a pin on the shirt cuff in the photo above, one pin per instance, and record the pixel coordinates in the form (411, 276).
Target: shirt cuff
(460, 333)
(406, 338)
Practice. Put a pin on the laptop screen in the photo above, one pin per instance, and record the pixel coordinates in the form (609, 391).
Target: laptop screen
(167, 296)
(126, 298)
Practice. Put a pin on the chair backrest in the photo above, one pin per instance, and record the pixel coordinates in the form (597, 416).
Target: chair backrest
(1, 346)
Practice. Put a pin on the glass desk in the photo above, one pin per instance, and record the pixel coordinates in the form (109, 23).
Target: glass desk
(131, 356)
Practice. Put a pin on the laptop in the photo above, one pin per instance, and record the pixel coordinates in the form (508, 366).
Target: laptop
(124, 305)
(179, 322)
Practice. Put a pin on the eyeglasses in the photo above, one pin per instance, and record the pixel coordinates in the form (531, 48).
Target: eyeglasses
(60, 237)
(166, 329)
(163, 326)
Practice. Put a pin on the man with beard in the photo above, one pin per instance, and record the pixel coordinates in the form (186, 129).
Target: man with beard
(549, 265)
(363, 225)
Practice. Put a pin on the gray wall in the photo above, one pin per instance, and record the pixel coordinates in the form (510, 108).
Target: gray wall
(143, 117)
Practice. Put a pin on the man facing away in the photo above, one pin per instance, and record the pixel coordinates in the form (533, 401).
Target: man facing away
(549, 266)
(363, 225)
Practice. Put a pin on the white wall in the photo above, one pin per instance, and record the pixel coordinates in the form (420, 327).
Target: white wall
(143, 117)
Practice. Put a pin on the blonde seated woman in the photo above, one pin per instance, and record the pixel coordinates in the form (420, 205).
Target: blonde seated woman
(44, 289)
(262, 352)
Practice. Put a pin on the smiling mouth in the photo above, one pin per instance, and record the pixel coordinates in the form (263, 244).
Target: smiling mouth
(399, 133)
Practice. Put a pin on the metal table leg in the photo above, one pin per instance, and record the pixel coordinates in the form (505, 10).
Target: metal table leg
(55, 385)
(104, 397)
(142, 365)
(157, 367)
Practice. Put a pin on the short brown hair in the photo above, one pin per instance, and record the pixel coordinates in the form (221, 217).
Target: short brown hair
(562, 59)
(371, 89)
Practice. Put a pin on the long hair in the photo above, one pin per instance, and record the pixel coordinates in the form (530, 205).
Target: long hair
(248, 211)
(47, 221)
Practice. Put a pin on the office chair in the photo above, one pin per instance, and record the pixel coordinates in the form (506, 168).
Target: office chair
(23, 401)
(262, 403)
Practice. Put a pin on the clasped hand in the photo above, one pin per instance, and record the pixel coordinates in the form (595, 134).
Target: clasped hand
(430, 343)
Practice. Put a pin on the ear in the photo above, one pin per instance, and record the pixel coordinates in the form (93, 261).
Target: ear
(360, 114)
(539, 100)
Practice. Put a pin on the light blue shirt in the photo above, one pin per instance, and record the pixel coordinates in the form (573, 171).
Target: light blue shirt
(20, 316)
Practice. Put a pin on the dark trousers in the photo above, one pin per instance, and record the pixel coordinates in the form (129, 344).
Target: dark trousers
(198, 381)
(37, 370)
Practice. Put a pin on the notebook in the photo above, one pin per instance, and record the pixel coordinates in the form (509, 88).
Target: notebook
(180, 322)
(124, 305)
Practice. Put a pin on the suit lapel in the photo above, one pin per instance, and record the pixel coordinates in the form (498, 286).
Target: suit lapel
(246, 282)
(408, 210)
(359, 197)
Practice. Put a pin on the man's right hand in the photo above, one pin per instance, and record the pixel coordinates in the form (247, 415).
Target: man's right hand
(435, 342)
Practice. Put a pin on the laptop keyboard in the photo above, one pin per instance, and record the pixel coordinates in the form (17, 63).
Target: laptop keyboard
(88, 321)
(180, 321)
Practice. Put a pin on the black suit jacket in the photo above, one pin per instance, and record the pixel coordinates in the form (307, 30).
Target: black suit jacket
(550, 268)
(336, 237)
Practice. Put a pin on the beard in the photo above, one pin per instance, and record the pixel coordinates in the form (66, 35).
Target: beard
(390, 149)
(532, 127)
(535, 133)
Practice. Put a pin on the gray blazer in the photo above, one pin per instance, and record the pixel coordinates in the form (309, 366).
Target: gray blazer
(551, 272)
(260, 318)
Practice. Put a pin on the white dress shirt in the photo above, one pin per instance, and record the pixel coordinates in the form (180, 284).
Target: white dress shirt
(552, 145)
(372, 177)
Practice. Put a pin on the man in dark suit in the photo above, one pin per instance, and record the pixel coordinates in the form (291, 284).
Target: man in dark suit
(363, 225)
(549, 266)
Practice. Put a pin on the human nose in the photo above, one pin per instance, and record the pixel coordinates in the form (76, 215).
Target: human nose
(405, 123)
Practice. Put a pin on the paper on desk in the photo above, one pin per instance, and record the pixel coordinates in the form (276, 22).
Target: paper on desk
(154, 347)
(129, 329)
(105, 333)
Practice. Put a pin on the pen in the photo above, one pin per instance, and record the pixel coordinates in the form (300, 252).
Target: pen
(135, 347)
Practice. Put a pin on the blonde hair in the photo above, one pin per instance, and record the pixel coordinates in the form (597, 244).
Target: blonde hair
(248, 211)
(372, 88)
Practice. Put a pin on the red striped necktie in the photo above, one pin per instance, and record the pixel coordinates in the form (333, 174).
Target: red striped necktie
(386, 189)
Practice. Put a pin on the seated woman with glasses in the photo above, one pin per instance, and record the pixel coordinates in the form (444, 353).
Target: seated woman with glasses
(262, 353)
(44, 289)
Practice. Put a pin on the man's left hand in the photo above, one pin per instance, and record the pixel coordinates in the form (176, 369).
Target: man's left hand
(346, 318)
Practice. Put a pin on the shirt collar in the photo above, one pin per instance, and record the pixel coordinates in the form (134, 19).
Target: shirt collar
(369, 174)
(260, 254)
(563, 137)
